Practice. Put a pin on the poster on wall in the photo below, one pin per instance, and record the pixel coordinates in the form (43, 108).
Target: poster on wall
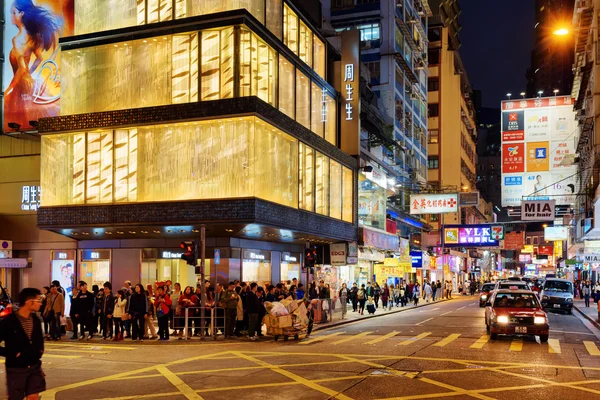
(538, 164)
(31, 75)
(64, 272)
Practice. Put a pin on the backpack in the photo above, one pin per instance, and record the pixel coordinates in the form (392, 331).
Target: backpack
(361, 294)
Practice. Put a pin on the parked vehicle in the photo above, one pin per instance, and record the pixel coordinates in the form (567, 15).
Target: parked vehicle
(557, 294)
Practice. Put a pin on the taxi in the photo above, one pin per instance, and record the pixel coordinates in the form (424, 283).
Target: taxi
(485, 292)
(515, 312)
(512, 284)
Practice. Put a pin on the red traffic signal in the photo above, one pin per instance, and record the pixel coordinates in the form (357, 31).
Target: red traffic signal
(190, 253)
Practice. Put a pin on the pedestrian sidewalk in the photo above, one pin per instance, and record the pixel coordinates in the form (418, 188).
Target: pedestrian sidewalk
(352, 316)
(590, 313)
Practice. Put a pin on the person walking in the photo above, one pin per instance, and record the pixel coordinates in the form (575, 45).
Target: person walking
(73, 314)
(229, 301)
(354, 296)
(433, 290)
(55, 309)
(138, 310)
(21, 332)
(362, 298)
(344, 295)
(163, 304)
(376, 294)
(149, 328)
(97, 312)
(85, 310)
(108, 308)
(253, 309)
(385, 296)
(45, 294)
(176, 315)
(586, 289)
(427, 291)
(597, 292)
(416, 293)
(402, 293)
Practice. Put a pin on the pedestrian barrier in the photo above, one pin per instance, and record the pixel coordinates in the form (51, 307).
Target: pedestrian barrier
(207, 321)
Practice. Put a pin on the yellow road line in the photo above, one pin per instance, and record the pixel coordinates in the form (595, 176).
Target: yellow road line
(88, 346)
(457, 390)
(349, 338)
(185, 390)
(480, 342)
(382, 338)
(449, 339)
(296, 378)
(381, 366)
(59, 356)
(321, 338)
(554, 346)
(591, 348)
(516, 345)
(79, 351)
(414, 339)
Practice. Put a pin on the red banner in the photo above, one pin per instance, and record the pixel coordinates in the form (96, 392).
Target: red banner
(546, 250)
(514, 240)
(513, 158)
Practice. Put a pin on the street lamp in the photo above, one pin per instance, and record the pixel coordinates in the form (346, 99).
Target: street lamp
(555, 92)
(508, 95)
(522, 94)
(561, 32)
(540, 93)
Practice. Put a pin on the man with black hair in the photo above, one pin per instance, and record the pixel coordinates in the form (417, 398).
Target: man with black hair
(253, 310)
(23, 340)
(108, 308)
(85, 302)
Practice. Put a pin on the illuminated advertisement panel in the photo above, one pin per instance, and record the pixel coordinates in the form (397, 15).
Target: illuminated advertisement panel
(469, 236)
(539, 138)
(31, 70)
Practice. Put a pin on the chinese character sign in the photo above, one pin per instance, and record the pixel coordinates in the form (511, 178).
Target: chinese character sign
(350, 92)
(30, 198)
(433, 203)
(469, 236)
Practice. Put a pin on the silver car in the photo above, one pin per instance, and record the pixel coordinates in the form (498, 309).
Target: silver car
(557, 294)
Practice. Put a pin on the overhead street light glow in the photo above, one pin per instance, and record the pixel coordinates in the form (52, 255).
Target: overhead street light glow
(561, 32)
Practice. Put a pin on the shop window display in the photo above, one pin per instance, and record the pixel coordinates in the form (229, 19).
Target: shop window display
(371, 203)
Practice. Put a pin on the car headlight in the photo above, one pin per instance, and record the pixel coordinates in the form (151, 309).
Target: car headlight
(539, 320)
(502, 319)
(545, 298)
(569, 300)
(483, 297)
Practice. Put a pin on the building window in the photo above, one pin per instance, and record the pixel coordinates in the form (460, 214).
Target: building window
(433, 84)
(434, 34)
(535, 240)
(302, 99)
(433, 162)
(369, 32)
(306, 44)
(319, 56)
(290, 29)
(433, 110)
(433, 56)
(374, 71)
(434, 218)
(287, 87)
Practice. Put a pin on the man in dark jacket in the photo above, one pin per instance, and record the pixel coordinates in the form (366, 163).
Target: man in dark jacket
(229, 300)
(22, 335)
(253, 310)
(108, 308)
(85, 310)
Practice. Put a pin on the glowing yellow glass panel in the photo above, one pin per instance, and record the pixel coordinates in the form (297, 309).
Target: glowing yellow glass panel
(257, 67)
(348, 195)
(125, 165)
(316, 109)
(275, 17)
(99, 167)
(62, 171)
(331, 120)
(305, 46)
(287, 86)
(322, 183)
(335, 193)
(319, 57)
(306, 178)
(302, 99)
(210, 86)
(290, 29)
(227, 67)
(184, 78)
(95, 16)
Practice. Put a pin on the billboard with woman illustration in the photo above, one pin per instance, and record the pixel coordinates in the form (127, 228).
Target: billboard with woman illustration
(31, 70)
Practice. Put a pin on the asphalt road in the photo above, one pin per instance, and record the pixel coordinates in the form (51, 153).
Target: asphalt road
(434, 352)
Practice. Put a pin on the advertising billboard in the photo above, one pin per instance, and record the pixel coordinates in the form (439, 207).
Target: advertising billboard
(31, 70)
(425, 203)
(469, 236)
(539, 138)
(552, 233)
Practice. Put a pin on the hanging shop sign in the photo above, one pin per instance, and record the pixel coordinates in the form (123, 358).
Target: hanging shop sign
(338, 253)
(469, 236)
(468, 199)
(528, 248)
(546, 250)
(30, 198)
(538, 210)
(426, 203)
(553, 233)
(380, 240)
(352, 253)
(497, 232)
(514, 240)
(350, 79)
(13, 263)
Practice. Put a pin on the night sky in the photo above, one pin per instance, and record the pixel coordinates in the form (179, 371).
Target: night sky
(497, 39)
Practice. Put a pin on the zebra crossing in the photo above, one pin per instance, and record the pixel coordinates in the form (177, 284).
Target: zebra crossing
(514, 345)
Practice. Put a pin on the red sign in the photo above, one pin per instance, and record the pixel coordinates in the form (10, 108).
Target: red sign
(513, 157)
(537, 103)
(390, 226)
(546, 250)
(513, 240)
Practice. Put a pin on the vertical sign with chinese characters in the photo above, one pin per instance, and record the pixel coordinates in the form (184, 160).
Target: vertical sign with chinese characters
(30, 198)
(349, 87)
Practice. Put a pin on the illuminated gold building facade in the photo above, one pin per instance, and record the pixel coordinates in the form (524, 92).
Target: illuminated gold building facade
(192, 113)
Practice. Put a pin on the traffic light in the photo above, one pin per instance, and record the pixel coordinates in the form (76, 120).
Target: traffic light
(310, 256)
(190, 253)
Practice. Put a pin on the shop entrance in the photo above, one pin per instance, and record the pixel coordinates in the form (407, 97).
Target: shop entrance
(164, 269)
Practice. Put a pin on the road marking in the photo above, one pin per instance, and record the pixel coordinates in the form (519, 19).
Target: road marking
(591, 348)
(460, 308)
(554, 346)
(516, 345)
(414, 339)
(441, 315)
(321, 338)
(422, 322)
(294, 377)
(185, 390)
(79, 351)
(382, 338)
(352, 337)
(449, 339)
(480, 342)
(90, 347)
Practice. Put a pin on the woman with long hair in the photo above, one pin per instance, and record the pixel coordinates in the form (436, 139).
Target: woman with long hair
(138, 309)
(33, 92)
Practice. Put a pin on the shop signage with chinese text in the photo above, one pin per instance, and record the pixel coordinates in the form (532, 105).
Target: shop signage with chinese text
(553, 233)
(546, 250)
(380, 240)
(427, 203)
(468, 236)
(514, 240)
(14, 263)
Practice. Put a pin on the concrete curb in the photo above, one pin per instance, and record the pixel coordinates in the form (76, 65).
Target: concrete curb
(593, 321)
(349, 321)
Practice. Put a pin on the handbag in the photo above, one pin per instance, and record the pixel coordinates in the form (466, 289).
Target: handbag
(63, 321)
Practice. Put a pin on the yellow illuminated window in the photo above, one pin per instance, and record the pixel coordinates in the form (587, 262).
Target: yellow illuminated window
(302, 99)
(287, 86)
(275, 17)
(331, 120)
(305, 45)
(347, 195)
(322, 184)
(335, 178)
(290, 29)
(306, 178)
(316, 110)
(257, 67)
(319, 57)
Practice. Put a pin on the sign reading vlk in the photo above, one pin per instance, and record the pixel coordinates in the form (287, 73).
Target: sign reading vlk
(537, 210)
(469, 236)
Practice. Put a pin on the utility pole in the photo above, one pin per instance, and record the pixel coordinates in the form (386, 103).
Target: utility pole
(202, 278)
